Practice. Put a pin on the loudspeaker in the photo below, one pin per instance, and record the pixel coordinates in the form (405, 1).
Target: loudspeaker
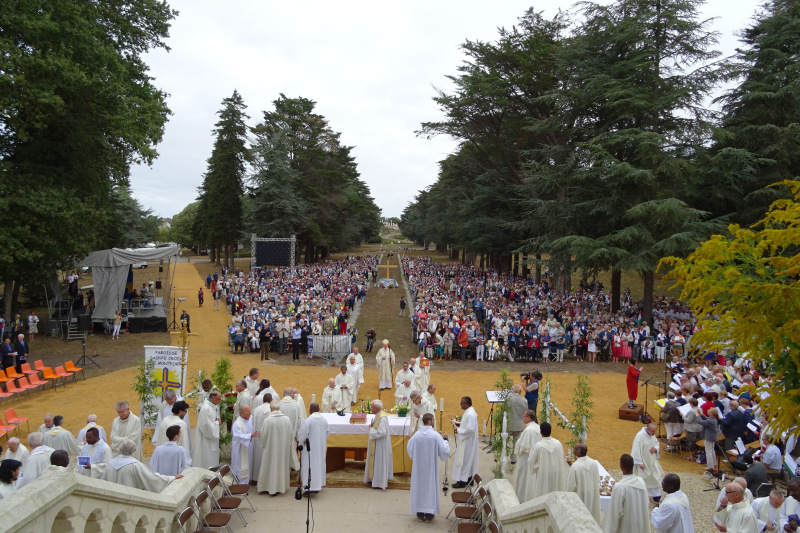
(158, 283)
(85, 322)
(160, 269)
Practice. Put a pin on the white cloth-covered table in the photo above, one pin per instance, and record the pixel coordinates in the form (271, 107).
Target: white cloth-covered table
(605, 501)
(340, 425)
(343, 434)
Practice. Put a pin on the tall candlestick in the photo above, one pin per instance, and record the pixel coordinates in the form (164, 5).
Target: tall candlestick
(484, 427)
(313, 398)
(505, 422)
(441, 404)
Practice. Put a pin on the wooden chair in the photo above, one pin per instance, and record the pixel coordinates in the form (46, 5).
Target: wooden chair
(234, 489)
(12, 418)
(69, 366)
(183, 517)
(225, 503)
(480, 524)
(64, 374)
(27, 370)
(212, 520)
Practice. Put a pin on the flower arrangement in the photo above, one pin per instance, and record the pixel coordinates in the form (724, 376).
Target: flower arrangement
(402, 408)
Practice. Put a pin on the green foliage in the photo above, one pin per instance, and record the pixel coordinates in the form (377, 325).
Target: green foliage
(581, 413)
(744, 289)
(503, 386)
(544, 402)
(145, 390)
(182, 228)
(223, 380)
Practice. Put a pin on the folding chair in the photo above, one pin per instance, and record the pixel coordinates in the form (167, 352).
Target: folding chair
(212, 520)
(13, 389)
(49, 375)
(26, 369)
(12, 418)
(479, 522)
(469, 513)
(234, 489)
(69, 366)
(465, 497)
(763, 490)
(225, 503)
(184, 517)
(64, 374)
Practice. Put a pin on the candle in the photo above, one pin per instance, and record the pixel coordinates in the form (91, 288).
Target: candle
(313, 398)
(484, 427)
(505, 422)
(441, 404)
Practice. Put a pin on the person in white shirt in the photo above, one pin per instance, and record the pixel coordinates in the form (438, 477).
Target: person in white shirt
(403, 375)
(628, 510)
(402, 393)
(583, 478)
(38, 461)
(313, 431)
(771, 457)
(242, 445)
(9, 473)
(170, 459)
(98, 452)
(673, 514)
(126, 470)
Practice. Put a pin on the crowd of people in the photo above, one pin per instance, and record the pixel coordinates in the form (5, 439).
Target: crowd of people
(275, 310)
(477, 313)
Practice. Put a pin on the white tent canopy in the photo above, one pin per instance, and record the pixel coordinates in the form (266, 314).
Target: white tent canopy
(110, 272)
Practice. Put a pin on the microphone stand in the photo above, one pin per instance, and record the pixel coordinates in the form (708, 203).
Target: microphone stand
(308, 486)
(645, 414)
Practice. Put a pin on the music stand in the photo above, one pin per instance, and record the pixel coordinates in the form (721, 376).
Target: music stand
(493, 397)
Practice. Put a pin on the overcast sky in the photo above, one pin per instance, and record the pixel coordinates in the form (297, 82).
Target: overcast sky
(371, 66)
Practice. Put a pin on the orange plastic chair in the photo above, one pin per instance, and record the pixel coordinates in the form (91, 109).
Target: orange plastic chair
(60, 372)
(12, 388)
(49, 375)
(11, 416)
(34, 380)
(25, 384)
(3, 377)
(26, 369)
(39, 365)
(12, 373)
(5, 394)
(69, 366)
(4, 428)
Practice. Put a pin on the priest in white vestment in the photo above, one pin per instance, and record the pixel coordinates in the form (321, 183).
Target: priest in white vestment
(17, 451)
(59, 438)
(48, 423)
(645, 453)
(354, 371)
(331, 398)
(527, 440)
(38, 460)
(430, 395)
(98, 452)
(302, 403)
(402, 394)
(583, 478)
(126, 426)
(791, 506)
(419, 408)
(259, 414)
(170, 459)
(242, 445)
(629, 510)
(548, 467)
(243, 397)
(748, 496)
(344, 382)
(91, 422)
(360, 362)
(770, 511)
(314, 430)
(253, 381)
(423, 373)
(206, 438)
(426, 448)
(292, 408)
(465, 464)
(405, 374)
(179, 410)
(277, 439)
(385, 362)
(379, 468)
(736, 514)
(126, 470)
(673, 514)
(165, 409)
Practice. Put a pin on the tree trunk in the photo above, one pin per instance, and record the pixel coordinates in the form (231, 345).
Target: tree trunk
(647, 304)
(526, 271)
(8, 298)
(483, 259)
(538, 272)
(616, 282)
(212, 253)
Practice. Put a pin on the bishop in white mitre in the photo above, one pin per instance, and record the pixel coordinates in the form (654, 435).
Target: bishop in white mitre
(242, 445)
(126, 426)
(527, 440)
(548, 468)
(206, 441)
(312, 462)
(98, 452)
(583, 478)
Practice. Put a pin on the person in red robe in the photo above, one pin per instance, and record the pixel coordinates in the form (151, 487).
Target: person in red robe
(633, 382)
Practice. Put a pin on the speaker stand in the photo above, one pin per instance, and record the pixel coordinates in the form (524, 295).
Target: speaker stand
(85, 360)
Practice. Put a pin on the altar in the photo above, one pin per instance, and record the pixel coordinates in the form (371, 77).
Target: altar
(348, 440)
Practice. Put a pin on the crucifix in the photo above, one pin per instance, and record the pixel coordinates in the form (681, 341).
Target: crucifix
(388, 266)
(184, 333)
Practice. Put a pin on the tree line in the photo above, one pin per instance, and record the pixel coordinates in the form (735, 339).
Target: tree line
(287, 175)
(593, 141)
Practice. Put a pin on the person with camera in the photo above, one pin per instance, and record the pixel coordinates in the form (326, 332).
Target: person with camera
(531, 382)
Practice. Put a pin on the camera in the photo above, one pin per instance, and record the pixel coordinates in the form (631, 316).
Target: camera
(527, 375)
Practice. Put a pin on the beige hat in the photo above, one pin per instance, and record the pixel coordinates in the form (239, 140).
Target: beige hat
(385, 341)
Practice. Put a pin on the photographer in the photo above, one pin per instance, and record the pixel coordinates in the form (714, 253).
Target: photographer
(531, 382)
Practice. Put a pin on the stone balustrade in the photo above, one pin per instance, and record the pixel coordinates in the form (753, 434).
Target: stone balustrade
(65, 502)
(557, 512)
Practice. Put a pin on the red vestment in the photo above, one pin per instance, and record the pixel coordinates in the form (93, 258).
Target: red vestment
(633, 382)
